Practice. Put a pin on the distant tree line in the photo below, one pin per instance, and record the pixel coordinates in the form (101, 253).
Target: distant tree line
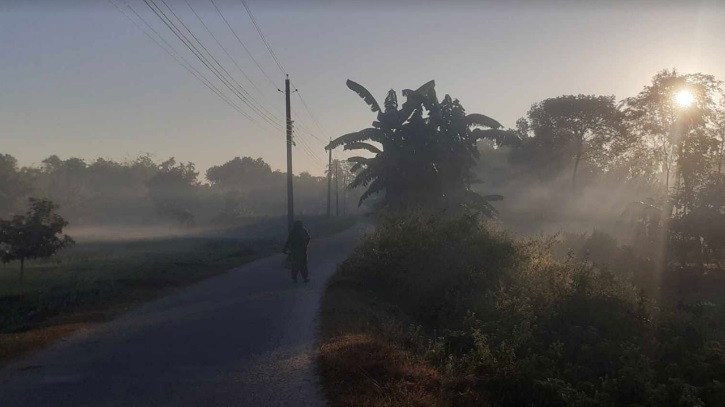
(142, 190)
(650, 164)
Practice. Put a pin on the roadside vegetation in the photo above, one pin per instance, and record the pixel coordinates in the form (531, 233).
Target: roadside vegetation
(432, 311)
(597, 281)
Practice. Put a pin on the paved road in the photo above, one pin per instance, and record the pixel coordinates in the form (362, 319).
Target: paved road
(243, 338)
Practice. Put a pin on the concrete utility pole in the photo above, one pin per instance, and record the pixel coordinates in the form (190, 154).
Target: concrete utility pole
(337, 189)
(344, 193)
(329, 179)
(290, 192)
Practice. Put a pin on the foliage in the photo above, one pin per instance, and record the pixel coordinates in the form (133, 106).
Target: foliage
(686, 143)
(37, 234)
(505, 321)
(171, 190)
(145, 192)
(242, 174)
(574, 129)
(423, 150)
(659, 125)
(13, 183)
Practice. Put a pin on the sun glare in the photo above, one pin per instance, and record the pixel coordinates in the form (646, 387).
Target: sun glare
(684, 98)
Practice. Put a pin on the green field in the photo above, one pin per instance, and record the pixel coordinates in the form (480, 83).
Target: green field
(93, 282)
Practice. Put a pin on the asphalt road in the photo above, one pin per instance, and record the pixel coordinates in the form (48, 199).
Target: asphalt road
(244, 338)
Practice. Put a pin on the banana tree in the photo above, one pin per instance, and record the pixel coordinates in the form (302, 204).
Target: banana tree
(422, 150)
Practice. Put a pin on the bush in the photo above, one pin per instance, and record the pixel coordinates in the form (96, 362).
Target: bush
(433, 269)
(502, 318)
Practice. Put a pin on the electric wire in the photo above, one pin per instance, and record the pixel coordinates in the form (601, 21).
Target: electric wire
(309, 111)
(208, 30)
(218, 70)
(243, 45)
(176, 31)
(199, 55)
(228, 78)
(264, 39)
(173, 53)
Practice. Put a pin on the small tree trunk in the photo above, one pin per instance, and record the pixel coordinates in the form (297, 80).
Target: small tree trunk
(576, 166)
(719, 161)
(22, 268)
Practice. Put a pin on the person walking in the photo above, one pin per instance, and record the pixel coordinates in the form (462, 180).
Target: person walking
(296, 248)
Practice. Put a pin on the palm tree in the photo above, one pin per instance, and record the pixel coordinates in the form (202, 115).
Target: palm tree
(422, 150)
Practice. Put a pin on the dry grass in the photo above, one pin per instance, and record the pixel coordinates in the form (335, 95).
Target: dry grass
(363, 360)
(13, 345)
(360, 370)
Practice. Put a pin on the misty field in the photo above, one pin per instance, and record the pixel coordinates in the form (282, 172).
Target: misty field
(92, 282)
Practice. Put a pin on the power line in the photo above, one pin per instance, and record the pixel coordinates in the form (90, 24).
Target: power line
(234, 61)
(309, 111)
(173, 53)
(199, 55)
(184, 40)
(195, 46)
(310, 153)
(243, 45)
(222, 77)
(270, 114)
(264, 39)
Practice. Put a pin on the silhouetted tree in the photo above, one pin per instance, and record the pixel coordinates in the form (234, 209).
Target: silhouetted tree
(423, 152)
(14, 185)
(242, 174)
(577, 128)
(37, 234)
(659, 124)
(172, 190)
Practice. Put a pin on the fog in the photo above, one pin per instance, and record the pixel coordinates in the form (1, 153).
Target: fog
(142, 198)
(535, 204)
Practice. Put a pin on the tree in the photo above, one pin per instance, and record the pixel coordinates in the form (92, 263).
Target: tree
(241, 174)
(13, 185)
(685, 142)
(173, 190)
(422, 150)
(660, 125)
(578, 128)
(37, 234)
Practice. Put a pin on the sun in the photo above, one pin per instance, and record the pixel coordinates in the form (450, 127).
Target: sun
(684, 98)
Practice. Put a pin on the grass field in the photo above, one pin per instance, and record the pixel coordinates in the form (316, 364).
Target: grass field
(93, 282)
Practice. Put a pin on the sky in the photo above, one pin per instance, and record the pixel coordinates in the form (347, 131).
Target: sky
(80, 79)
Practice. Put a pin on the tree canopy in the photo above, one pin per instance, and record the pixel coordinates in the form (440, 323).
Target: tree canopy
(37, 234)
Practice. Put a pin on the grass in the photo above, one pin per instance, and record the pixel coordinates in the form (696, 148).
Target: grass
(93, 282)
(361, 359)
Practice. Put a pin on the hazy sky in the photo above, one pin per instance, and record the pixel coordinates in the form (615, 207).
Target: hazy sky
(77, 78)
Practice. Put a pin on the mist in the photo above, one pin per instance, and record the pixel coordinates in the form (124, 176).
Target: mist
(142, 199)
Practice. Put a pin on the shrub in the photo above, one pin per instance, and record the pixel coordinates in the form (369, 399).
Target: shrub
(503, 318)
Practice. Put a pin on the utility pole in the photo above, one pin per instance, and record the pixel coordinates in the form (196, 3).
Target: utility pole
(344, 193)
(337, 189)
(290, 192)
(329, 179)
